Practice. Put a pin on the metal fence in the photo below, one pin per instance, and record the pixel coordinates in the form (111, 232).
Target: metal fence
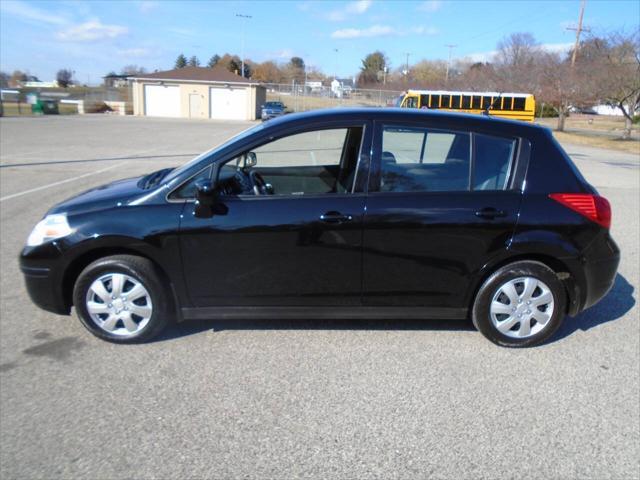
(299, 98)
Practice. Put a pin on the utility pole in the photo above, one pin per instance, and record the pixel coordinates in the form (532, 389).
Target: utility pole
(446, 76)
(579, 29)
(406, 69)
(244, 19)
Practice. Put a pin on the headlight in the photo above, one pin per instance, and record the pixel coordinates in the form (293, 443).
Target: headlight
(49, 228)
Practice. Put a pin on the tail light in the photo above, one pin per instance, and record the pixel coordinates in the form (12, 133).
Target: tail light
(593, 207)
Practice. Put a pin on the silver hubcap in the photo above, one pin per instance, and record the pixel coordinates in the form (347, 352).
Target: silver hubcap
(522, 307)
(119, 304)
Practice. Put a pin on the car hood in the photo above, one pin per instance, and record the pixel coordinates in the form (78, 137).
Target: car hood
(112, 194)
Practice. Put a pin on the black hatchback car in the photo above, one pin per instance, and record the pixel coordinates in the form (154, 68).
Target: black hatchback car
(374, 213)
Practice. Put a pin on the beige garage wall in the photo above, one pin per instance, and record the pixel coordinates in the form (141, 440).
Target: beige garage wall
(257, 96)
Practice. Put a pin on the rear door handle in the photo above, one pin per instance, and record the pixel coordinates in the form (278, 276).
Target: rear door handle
(490, 213)
(335, 217)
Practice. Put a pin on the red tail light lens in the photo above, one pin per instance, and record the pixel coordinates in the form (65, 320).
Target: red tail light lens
(594, 207)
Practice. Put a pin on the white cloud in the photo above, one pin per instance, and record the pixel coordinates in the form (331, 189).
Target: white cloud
(358, 7)
(90, 31)
(430, 6)
(373, 31)
(382, 31)
(146, 6)
(135, 52)
(29, 12)
(350, 9)
(557, 47)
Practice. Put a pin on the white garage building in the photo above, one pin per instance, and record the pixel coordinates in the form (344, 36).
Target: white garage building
(195, 92)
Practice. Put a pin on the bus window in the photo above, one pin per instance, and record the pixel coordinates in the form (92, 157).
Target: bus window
(445, 101)
(506, 103)
(410, 102)
(519, 103)
(435, 101)
(497, 103)
(475, 104)
(486, 102)
(455, 101)
(424, 101)
(466, 102)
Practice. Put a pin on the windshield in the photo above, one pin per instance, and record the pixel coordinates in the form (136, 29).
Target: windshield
(180, 170)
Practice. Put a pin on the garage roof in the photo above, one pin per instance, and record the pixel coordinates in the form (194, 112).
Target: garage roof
(197, 74)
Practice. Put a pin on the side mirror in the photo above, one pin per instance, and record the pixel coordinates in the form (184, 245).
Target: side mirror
(250, 159)
(205, 198)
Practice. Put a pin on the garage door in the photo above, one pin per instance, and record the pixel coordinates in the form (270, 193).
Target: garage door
(161, 101)
(229, 103)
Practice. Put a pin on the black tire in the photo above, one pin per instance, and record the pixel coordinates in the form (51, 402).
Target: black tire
(481, 307)
(140, 269)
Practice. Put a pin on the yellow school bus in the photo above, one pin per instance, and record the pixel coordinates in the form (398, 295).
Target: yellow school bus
(518, 106)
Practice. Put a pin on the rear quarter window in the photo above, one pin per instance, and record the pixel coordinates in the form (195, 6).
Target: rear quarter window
(493, 159)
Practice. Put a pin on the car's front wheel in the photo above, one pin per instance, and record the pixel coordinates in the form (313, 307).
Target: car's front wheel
(121, 299)
(520, 305)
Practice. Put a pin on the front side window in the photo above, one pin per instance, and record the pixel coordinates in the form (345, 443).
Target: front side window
(315, 162)
(424, 160)
(493, 156)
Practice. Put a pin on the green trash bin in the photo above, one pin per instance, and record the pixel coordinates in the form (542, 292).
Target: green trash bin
(49, 107)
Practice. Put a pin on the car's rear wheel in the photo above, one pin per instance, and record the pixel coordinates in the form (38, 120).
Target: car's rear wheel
(122, 299)
(520, 305)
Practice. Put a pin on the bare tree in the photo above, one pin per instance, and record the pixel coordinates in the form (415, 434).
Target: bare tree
(64, 77)
(133, 70)
(615, 61)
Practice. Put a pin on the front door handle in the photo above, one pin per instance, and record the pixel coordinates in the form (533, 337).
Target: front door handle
(335, 217)
(490, 213)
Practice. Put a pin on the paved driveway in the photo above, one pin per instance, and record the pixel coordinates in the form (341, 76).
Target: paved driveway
(256, 399)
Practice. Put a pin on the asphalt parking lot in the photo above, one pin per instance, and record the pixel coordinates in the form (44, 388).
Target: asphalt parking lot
(282, 399)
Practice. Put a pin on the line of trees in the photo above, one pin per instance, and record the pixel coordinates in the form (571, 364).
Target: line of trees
(267, 72)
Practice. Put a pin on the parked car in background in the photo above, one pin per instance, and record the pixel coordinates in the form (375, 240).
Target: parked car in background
(272, 110)
(349, 213)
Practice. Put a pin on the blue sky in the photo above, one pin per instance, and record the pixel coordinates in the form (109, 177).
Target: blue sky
(93, 37)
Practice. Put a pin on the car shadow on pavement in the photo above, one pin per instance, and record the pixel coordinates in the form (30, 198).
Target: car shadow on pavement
(615, 305)
(612, 307)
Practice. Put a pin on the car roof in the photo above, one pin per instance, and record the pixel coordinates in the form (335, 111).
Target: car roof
(471, 120)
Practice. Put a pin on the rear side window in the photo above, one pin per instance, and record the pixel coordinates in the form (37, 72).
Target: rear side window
(493, 157)
(424, 160)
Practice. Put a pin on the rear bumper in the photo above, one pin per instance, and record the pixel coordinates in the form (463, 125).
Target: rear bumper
(600, 265)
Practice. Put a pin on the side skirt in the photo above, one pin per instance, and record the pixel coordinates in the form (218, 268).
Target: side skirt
(320, 313)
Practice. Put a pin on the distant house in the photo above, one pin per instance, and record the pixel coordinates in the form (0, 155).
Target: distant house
(342, 86)
(116, 81)
(196, 92)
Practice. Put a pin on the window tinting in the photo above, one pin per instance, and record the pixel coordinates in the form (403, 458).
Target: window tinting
(518, 103)
(492, 160)
(424, 160)
(476, 102)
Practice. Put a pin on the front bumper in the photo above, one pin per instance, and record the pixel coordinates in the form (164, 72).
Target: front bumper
(42, 280)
